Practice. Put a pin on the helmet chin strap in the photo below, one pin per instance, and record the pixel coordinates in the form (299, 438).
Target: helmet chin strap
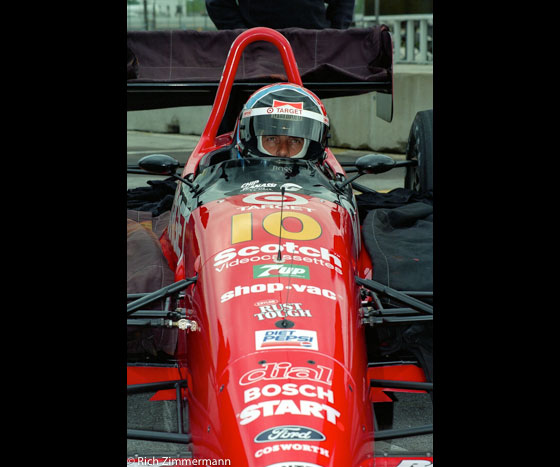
(299, 155)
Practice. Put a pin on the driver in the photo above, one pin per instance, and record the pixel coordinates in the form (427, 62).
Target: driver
(282, 120)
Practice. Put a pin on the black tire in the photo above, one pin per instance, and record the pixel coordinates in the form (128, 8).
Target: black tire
(420, 147)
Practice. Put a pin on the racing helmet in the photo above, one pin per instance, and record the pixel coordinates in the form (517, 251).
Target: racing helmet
(283, 109)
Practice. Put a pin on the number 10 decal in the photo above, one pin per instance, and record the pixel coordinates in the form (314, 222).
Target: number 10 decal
(291, 226)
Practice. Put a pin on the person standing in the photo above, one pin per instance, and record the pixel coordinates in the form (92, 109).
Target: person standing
(280, 14)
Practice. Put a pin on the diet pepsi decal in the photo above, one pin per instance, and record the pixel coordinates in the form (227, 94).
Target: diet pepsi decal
(286, 339)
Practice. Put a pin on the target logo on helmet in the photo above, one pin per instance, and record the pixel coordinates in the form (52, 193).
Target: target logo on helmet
(295, 105)
(286, 110)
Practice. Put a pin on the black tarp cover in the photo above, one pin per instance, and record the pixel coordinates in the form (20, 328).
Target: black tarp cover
(397, 230)
(327, 55)
(147, 271)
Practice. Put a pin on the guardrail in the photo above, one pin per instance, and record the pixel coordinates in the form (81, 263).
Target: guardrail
(413, 40)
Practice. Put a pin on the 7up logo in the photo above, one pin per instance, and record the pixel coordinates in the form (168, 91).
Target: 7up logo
(280, 270)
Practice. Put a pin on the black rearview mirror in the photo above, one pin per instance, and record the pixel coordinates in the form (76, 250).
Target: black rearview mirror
(160, 164)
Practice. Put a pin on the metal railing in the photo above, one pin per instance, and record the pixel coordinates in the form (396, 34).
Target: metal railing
(412, 34)
(165, 15)
(413, 40)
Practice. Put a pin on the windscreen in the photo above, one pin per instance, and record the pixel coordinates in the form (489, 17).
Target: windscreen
(248, 175)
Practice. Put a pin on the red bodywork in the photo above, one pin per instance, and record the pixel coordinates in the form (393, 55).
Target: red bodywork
(248, 375)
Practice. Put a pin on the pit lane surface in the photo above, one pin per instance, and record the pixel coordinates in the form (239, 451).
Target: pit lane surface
(412, 409)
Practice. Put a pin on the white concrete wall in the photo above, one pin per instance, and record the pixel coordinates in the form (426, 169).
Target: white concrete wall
(354, 123)
(190, 120)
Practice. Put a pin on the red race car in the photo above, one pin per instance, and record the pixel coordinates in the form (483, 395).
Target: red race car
(277, 331)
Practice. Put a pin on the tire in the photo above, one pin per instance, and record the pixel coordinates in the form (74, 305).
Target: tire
(420, 147)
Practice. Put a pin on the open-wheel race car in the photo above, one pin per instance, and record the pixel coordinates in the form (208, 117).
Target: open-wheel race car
(286, 326)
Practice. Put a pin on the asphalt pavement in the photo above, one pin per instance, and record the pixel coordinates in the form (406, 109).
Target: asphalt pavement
(413, 409)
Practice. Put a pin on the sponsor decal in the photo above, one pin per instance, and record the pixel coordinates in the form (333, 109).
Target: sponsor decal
(293, 105)
(269, 301)
(256, 185)
(291, 447)
(282, 168)
(289, 226)
(289, 433)
(273, 287)
(273, 206)
(291, 187)
(286, 111)
(300, 226)
(280, 270)
(286, 339)
(283, 310)
(288, 389)
(273, 371)
(231, 257)
(275, 198)
(288, 407)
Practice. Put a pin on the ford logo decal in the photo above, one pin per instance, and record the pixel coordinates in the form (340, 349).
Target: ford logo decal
(289, 433)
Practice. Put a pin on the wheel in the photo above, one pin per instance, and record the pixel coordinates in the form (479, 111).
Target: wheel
(420, 148)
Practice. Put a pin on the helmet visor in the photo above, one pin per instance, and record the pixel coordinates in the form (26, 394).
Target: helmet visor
(289, 121)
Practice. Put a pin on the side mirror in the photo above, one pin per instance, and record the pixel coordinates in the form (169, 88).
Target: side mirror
(160, 164)
(370, 164)
(374, 164)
